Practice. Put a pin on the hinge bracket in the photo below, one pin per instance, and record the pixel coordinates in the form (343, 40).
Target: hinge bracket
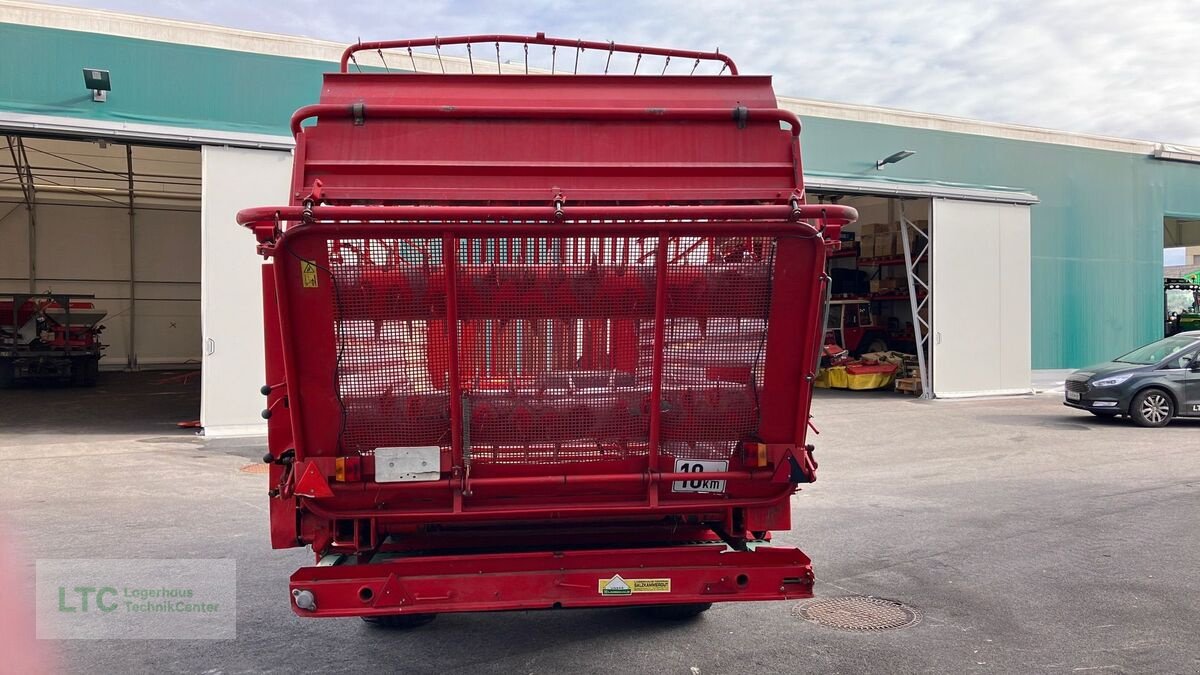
(741, 115)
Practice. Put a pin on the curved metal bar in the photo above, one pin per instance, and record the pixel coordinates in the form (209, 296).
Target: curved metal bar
(539, 39)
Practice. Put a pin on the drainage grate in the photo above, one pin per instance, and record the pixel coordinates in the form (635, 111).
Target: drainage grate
(859, 613)
(256, 468)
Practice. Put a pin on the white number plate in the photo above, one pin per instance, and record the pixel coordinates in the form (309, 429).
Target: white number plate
(403, 465)
(1073, 396)
(699, 467)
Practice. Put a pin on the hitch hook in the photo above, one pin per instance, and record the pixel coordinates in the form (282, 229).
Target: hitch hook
(559, 202)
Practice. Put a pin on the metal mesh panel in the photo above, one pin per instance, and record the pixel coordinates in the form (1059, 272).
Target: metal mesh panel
(718, 299)
(391, 343)
(556, 345)
(550, 362)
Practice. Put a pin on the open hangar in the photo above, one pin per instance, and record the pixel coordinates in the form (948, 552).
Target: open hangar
(1044, 247)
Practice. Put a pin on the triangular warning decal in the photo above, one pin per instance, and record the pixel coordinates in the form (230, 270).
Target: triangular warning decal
(615, 586)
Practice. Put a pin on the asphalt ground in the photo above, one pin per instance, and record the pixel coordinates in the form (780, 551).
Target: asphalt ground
(1029, 537)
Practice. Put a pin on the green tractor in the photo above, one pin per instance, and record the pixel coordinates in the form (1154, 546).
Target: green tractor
(1181, 301)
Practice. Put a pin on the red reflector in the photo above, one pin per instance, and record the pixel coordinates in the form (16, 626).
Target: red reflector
(756, 455)
(347, 468)
(312, 482)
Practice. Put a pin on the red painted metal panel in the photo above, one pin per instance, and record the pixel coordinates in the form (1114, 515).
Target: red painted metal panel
(506, 152)
(279, 424)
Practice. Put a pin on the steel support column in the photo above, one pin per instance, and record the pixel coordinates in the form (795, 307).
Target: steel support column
(917, 250)
(131, 357)
(20, 160)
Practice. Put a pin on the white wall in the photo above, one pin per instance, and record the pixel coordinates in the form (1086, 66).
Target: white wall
(234, 179)
(14, 246)
(167, 268)
(981, 298)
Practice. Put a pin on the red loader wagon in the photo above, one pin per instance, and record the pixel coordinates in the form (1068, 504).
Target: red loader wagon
(541, 341)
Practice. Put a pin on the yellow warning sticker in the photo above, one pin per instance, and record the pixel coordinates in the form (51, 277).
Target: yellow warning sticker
(618, 585)
(308, 273)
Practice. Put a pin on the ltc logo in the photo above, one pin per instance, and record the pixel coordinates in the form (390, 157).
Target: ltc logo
(86, 598)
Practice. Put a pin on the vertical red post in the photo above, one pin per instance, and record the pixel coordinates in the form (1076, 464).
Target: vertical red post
(656, 367)
(450, 262)
(291, 370)
(816, 316)
(624, 345)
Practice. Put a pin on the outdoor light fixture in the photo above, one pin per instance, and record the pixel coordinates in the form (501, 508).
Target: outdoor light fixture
(894, 157)
(97, 80)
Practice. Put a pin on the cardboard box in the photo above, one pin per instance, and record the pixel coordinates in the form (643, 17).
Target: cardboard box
(885, 243)
(909, 385)
(866, 245)
(886, 285)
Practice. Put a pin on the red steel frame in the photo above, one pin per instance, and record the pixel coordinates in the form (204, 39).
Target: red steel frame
(536, 534)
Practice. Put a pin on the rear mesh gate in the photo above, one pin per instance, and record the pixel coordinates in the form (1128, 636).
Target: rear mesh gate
(556, 345)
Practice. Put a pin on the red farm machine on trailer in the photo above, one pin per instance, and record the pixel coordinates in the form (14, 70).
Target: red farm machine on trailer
(541, 341)
(49, 336)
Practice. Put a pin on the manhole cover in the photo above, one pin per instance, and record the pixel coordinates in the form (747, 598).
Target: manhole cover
(857, 613)
(256, 468)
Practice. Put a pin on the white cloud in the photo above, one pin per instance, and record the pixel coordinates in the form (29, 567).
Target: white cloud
(1101, 66)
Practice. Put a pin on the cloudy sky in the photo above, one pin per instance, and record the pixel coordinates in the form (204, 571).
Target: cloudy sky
(1115, 67)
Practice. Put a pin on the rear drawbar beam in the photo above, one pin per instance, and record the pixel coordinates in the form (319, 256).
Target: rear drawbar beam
(551, 579)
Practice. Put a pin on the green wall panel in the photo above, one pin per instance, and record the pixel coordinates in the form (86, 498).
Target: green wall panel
(153, 82)
(1097, 232)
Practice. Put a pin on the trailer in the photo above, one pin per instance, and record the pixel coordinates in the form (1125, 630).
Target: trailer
(49, 336)
(541, 341)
